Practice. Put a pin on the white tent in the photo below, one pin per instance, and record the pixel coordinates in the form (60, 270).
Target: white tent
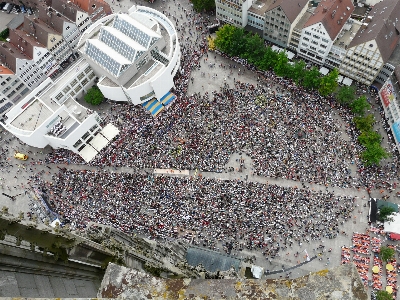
(340, 78)
(289, 54)
(347, 81)
(99, 142)
(88, 153)
(276, 48)
(324, 71)
(110, 131)
(256, 271)
(393, 226)
(53, 224)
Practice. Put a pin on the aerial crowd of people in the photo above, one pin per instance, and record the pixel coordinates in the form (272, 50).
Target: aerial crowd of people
(288, 133)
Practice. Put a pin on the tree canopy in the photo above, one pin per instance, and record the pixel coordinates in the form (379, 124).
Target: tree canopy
(383, 295)
(386, 253)
(346, 95)
(373, 154)
(385, 212)
(328, 83)
(359, 105)
(201, 5)
(94, 96)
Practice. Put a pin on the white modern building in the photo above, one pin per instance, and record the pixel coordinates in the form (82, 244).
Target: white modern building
(50, 115)
(135, 56)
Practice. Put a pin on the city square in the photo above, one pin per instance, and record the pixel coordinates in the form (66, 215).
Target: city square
(281, 184)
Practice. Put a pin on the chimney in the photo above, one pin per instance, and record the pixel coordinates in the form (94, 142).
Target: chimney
(324, 9)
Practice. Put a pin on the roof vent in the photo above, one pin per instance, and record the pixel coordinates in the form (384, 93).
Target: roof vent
(324, 9)
(333, 13)
(348, 8)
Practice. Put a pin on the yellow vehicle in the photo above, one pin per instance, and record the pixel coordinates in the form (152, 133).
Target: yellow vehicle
(20, 156)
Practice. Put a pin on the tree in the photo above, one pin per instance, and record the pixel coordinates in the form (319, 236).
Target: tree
(328, 83)
(386, 253)
(384, 213)
(230, 40)
(297, 71)
(364, 123)
(254, 48)
(373, 154)
(383, 295)
(346, 95)
(201, 5)
(94, 96)
(311, 78)
(359, 105)
(369, 137)
(281, 63)
(268, 60)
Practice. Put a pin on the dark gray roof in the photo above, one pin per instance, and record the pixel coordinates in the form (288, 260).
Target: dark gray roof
(384, 28)
(16, 22)
(291, 8)
(211, 260)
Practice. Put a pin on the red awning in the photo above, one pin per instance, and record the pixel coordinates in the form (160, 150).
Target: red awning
(395, 236)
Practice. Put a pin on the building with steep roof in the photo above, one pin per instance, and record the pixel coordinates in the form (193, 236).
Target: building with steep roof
(281, 18)
(135, 56)
(322, 29)
(374, 43)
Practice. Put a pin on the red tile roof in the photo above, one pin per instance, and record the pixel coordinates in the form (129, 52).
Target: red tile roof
(332, 14)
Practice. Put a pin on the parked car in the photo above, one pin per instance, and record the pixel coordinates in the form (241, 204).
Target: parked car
(29, 10)
(2, 4)
(23, 9)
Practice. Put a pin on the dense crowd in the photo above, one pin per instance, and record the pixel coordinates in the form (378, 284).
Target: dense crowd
(287, 131)
(206, 212)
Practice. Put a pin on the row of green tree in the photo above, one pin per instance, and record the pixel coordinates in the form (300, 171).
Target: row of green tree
(203, 5)
(368, 137)
(236, 42)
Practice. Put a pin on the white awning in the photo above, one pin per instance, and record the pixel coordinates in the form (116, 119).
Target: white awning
(340, 78)
(88, 153)
(393, 226)
(289, 54)
(347, 81)
(110, 131)
(324, 71)
(98, 142)
(276, 48)
(257, 271)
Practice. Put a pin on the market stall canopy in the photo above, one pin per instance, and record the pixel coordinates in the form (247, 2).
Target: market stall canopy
(375, 269)
(110, 131)
(289, 54)
(324, 71)
(389, 267)
(256, 271)
(389, 289)
(347, 81)
(395, 236)
(393, 226)
(88, 153)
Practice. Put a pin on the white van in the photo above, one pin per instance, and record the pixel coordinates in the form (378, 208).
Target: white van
(6, 6)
